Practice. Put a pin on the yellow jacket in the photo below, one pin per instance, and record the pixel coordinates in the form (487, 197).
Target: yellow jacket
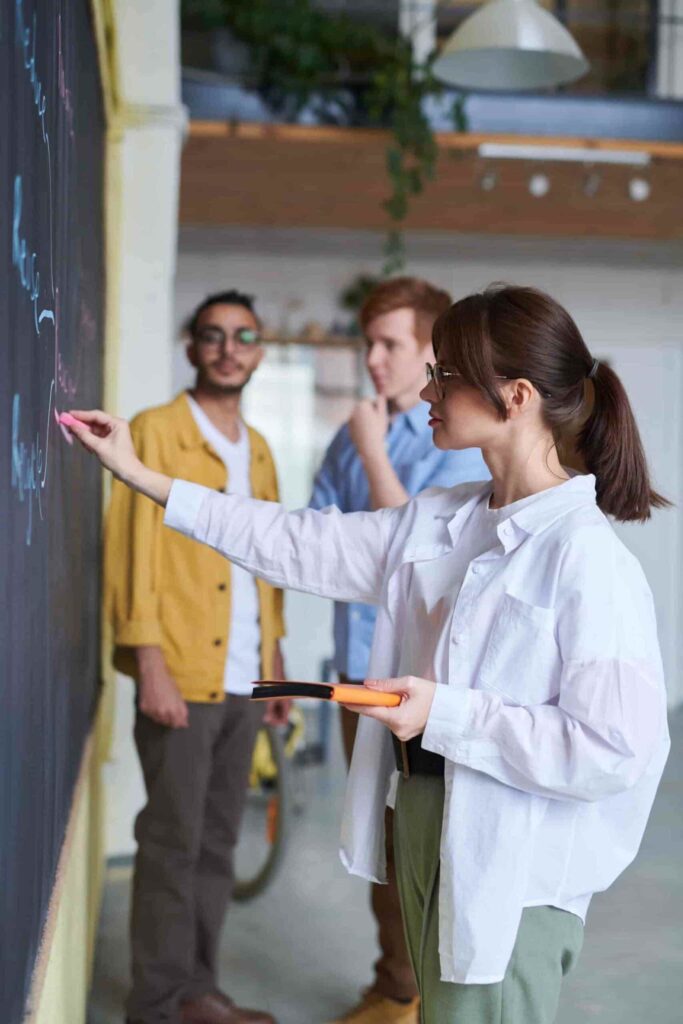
(161, 588)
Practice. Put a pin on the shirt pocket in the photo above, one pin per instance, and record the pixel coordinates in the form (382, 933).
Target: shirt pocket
(521, 661)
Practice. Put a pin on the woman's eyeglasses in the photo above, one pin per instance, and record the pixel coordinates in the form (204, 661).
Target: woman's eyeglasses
(216, 337)
(438, 375)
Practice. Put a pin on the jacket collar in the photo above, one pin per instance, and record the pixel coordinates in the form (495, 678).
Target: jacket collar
(189, 434)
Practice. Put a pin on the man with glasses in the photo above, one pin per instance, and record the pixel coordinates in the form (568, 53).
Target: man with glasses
(383, 456)
(194, 632)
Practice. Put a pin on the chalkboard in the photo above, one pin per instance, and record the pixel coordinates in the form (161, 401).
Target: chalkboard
(51, 346)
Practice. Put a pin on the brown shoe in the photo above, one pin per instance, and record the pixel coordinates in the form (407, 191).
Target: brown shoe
(217, 1008)
(377, 1009)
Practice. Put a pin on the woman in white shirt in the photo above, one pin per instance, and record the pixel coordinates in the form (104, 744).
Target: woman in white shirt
(521, 635)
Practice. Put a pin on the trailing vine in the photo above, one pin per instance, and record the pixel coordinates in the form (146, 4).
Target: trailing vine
(340, 71)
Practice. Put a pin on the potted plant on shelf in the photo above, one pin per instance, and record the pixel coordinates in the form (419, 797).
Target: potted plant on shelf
(338, 70)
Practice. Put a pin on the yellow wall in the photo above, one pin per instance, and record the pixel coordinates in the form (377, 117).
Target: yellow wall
(60, 989)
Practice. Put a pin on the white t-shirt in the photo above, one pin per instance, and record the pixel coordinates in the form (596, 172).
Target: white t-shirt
(243, 664)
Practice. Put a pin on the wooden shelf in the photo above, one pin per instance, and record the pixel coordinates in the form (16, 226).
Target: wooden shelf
(460, 141)
(267, 175)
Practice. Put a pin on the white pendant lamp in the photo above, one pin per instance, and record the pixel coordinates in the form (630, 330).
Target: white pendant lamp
(510, 44)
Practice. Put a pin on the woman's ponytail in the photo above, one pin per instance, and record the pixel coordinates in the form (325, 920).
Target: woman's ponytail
(514, 332)
(610, 445)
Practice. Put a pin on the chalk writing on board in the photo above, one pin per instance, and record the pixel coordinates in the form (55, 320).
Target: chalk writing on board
(29, 462)
(67, 385)
(26, 39)
(26, 262)
(30, 457)
(64, 91)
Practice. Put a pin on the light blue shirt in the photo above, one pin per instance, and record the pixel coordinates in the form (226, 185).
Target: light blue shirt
(342, 481)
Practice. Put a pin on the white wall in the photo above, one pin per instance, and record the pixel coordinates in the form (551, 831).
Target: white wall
(145, 140)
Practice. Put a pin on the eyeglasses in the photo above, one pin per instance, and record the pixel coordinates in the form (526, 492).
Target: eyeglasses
(216, 337)
(438, 375)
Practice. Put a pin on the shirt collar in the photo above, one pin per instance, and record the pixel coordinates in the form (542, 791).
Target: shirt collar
(577, 492)
(417, 418)
(551, 505)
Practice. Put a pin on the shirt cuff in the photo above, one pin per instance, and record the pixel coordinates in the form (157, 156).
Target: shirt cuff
(183, 506)
(447, 720)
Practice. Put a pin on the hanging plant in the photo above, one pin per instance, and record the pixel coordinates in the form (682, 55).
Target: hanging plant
(343, 72)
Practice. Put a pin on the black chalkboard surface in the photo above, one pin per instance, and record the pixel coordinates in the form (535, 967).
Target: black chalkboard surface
(51, 344)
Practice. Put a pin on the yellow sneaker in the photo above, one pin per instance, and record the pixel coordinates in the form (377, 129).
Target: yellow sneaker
(376, 1009)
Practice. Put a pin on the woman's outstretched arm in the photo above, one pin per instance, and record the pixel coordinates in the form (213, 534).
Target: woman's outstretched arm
(325, 553)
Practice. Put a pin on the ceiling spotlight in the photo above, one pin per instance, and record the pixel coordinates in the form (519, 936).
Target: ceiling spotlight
(591, 184)
(639, 189)
(488, 181)
(539, 185)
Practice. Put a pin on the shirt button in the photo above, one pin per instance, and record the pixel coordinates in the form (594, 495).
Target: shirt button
(476, 570)
(457, 638)
(217, 643)
(507, 530)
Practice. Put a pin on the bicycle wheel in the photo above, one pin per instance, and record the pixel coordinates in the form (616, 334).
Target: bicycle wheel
(266, 820)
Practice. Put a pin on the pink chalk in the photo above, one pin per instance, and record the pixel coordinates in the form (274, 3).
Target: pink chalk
(68, 420)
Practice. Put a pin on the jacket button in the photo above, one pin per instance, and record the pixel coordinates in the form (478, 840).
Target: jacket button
(213, 696)
(217, 643)
(222, 586)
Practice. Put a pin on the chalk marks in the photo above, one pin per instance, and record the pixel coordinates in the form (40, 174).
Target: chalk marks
(64, 91)
(26, 40)
(67, 385)
(29, 462)
(30, 456)
(26, 261)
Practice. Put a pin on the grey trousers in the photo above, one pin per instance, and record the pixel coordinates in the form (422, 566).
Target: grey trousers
(548, 941)
(196, 781)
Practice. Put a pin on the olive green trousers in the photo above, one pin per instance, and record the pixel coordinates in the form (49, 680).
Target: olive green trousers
(547, 946)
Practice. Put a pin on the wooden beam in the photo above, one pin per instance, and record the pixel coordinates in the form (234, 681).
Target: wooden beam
(299, 176)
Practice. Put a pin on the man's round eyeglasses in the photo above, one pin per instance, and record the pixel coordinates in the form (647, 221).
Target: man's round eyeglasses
(216, 337)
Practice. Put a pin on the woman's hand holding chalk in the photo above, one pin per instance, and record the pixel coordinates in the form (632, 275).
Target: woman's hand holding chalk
(109, 438)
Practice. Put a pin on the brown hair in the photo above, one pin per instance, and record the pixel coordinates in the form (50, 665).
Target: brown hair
(423, 298)
(523, 333)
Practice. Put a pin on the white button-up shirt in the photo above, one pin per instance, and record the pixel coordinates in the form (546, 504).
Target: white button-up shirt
(552, 718)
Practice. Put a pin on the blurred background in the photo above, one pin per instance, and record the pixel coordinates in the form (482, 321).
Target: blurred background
(299, 150)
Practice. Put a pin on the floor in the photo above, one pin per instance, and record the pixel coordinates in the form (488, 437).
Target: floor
(303, 950)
